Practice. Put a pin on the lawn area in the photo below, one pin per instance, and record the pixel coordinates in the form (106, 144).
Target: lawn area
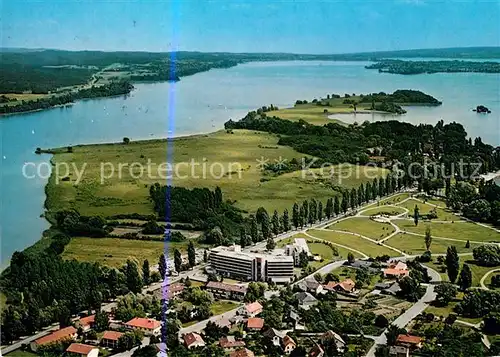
(395, 200)
(477, 270)
(350, 273)
(383, 210)
(443, 215)
(115, 252)
(311, 114)
(222, 306)
(412, 244)
(444, 311)
(364, 226)
(234, 158)
(354, 242)
(19, 353)
(458, 230)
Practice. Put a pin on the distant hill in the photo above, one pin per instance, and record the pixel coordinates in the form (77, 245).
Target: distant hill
(50, 57)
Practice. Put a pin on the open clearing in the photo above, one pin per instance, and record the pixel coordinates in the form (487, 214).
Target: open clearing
(364, 226)
(458, 230)
(354, 242)
(477, 270)
(115, 252)
(413, 245)
(383, 210)
(231, 157)
(424, 209)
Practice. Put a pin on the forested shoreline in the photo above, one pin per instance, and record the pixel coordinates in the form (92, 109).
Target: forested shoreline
(430, 67)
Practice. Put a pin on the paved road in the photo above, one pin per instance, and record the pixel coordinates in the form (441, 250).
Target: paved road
(483, 279)
(417, 308)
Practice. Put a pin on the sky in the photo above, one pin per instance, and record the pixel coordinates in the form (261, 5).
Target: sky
(249, 26)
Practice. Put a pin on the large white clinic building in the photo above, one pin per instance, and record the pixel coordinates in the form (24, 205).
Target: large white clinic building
(232, 262)
(294, 250)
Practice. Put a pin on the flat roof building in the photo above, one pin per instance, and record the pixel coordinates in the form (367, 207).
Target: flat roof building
(232, 262)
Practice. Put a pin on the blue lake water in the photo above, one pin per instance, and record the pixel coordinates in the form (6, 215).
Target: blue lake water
(202, 103)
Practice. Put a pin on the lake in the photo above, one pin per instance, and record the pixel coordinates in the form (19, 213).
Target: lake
(202, 103)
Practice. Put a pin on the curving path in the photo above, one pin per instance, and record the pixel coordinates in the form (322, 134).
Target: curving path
(485, 276)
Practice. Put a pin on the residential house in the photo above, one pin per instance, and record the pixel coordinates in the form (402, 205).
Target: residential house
(237, 319)
(67, 333)
(255, 324)
(79, 349)
(339, 342)
(242, 352)
(396, 270)
(251, 310)
(229, 343)
(399, 351)
(412, 342)
(305, 300)
(391, 273)
(192, 340)
(161, 349)
(226, 291)
(86, 323)
(311, 286)
(347, 286)
(288, 344)
(364, 264)
(148, 326)
(316, 351)
(174, 290)
(110, 339)
(275, 336)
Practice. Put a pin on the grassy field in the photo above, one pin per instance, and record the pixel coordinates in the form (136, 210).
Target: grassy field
(318, 115)
(477, 270)
(412, 244)
(395, 199)
(309, 113)
(442, 214)
(462, 231)
(222, 306)
(364, 226)
(20, 353)
(385, 210)
(231, 157)
(354, 242)
(115, 252)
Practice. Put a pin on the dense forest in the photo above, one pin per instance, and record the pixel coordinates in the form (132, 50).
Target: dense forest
(418, 67)
(109, 90)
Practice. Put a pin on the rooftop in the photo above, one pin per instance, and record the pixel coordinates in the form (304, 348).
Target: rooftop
(141, 322)
(242, 352)
(56, 335)
(80, 348)
(191, 338)
(86, 321)
(227, 287)
(255, 322)
(413, 340)
(112, 335)
(230, 342)
(253, 307)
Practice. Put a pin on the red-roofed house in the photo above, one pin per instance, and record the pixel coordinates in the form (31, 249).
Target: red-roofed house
(67, 333)
(110, 339)
(192, 340)
(409, 341)
(288, 344)
(79, 349)
(86, 322)
(347, 286)
(242, 352)
(316, 351)
(229, 343)
(252, 309)
(255, 323)
(148, 326)
(395, 273)
(174, 290)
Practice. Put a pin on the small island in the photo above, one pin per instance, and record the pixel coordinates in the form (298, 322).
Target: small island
(373, 102)
(481, 109)
(429, 67)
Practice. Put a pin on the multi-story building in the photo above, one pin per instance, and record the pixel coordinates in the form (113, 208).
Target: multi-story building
(294, 250)
(232, 262)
